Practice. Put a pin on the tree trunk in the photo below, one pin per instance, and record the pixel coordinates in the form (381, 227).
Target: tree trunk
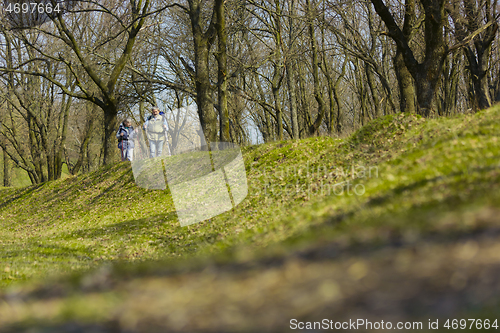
(290, 74)
(479, 52)
(304, 114)
(10, 87)
(220, 26)
(83, 154)
(405, 84)
(336, 97)
(206, 110)
(478, 69)
(325, 67)
(278, 68)
(292, 91)
(317, 90)
(61, 141)
(202, 44)
(371, 84)
(425, 93)
(448, 98)
(277, 107)
(110, 127)
(428, 72)
(6, 169)
(36, 153)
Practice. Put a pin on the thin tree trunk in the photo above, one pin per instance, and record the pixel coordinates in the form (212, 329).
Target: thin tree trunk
(84, 146)
(336, 97)
(292, 93)
(6, 168)
(278, 70)
(317, 90)
(371, 84)
(304, 116)
(290, 76)
(279, 113)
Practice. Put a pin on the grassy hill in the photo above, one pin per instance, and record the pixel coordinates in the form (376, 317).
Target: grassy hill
(398, 222)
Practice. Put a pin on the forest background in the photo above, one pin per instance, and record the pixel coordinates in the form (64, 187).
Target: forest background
(257, 71)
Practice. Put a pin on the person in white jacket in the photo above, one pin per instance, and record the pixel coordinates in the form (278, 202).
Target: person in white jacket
(156, 127)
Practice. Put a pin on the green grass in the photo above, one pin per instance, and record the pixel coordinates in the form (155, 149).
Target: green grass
(425, 220)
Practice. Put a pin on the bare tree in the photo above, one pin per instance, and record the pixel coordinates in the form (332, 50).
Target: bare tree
(427, 72)
(35, 134)
(476, 25)
(96, 68)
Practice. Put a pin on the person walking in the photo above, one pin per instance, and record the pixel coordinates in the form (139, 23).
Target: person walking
(126, 135)
(156, 128)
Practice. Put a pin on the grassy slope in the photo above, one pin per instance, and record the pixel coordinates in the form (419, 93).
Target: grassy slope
(420, 243)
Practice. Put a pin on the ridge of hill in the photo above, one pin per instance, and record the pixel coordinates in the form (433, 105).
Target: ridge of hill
(399, 220)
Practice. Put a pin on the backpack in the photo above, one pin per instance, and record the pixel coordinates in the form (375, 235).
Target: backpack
(120, 138)
(162, 114)
(163, 119)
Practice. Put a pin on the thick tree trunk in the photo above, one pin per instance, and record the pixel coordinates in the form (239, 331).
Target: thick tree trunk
(405, 84)
(220, 26)
(202, 44)
(425, 93)
(110, 127)
(477, 53)
(206, 110)
(428, 72)
(478, 69)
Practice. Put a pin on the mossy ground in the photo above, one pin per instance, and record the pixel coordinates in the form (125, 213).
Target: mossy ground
(399, 221)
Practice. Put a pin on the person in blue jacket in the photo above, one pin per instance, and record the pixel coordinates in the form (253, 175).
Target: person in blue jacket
(126, 135)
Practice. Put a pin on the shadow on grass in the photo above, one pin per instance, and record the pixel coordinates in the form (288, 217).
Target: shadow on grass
(119, 181)
(126, 227)
(19, 194)
(44, 251)
(380, 200)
